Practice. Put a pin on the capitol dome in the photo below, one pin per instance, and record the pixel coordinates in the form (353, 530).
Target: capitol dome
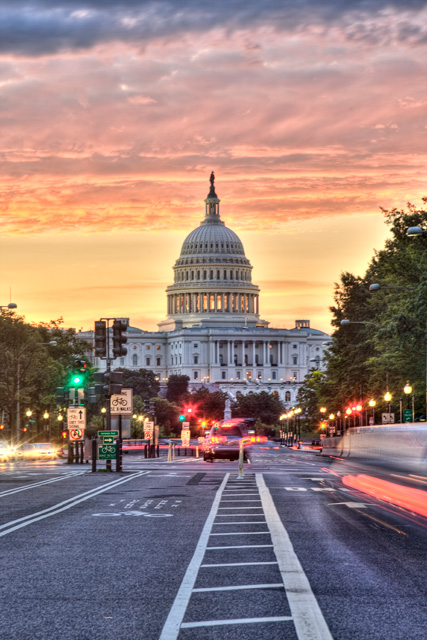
(213, 277)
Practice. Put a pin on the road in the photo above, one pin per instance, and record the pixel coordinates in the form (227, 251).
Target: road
(302, 547)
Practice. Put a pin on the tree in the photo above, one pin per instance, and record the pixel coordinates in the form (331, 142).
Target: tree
(177, 386)
(265, 406)
(143, 382)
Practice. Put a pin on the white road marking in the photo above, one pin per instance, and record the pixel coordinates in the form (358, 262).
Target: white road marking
(37, 484)
(235, 523)
(275, 585)
(240, 546)
(351, 505)
(176, 614)
(242, 533)
(306, 613)
(216, 623)
(236, 564)
(63, 506)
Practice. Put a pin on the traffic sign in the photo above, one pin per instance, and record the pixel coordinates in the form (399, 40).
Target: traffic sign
(185, 437)
(108, 440)
(122, 404)
(76, 434)
(148, 430)
(407, 415)
(107, 451)
(101, 434)
(76, 417)
(387, 418)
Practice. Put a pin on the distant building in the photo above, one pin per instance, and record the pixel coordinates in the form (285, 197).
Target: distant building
(213, 332)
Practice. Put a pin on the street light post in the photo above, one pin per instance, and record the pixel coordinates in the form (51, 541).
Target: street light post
(372, 404)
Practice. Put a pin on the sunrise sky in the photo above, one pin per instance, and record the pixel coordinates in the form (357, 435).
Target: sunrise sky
(113, 114)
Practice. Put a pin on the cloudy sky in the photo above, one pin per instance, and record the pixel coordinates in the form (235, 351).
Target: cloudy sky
(113, 114)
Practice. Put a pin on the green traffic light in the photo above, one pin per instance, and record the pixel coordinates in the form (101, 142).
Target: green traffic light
(182, 418)
(77, 380)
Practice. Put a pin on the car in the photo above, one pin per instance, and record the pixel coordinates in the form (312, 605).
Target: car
(6, 451)
(36, 451)
(224, 438)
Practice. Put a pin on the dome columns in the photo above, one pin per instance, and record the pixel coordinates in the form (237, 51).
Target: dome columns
(212, 302)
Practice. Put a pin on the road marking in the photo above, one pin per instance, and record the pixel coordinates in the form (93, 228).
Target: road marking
(235, 523)
(236, 564)
(240, 546)
(350, 505)
(242, 533)
(223, 501)
(306, 613)
(63, 506)
(235, 508)
(39, 484)
(275, 585)
(216, 623)
(240, 515)
(174, 620)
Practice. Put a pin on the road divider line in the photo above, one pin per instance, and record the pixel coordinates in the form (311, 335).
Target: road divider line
(235, 523)
(306, 613)
(64, 505)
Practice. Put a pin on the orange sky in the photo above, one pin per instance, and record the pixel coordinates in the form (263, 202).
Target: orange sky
(113, 115)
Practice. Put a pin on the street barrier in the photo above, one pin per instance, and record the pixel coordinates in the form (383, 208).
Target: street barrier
(402, 445)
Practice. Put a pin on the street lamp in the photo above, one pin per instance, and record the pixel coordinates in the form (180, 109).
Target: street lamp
(47, 430)
(372, 403)
(407, 390)
(11, 305)
(412, 232)
(387, 398)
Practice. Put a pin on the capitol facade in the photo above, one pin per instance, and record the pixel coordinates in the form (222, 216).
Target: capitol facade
(213, 332)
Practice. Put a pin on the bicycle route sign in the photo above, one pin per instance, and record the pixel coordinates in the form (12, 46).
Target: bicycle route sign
(107, 451)
(122, 404)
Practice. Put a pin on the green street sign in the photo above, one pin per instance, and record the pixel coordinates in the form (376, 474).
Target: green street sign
(102, 434)
(107, 451)
(407, 415)
(109, 440)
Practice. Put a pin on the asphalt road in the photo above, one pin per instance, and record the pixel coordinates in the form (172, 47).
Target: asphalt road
(302, 547)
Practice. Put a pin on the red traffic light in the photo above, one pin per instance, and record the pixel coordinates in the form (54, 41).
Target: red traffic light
(1, 426)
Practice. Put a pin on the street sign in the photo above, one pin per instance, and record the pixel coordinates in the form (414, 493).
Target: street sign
(122, 404)
(76, 434)
(148, 429)
(76, 417)
(108, 440)
(185, 425)
(407, 415)
(387, 418)
(101, 434)
(185, 437)
(107, 451)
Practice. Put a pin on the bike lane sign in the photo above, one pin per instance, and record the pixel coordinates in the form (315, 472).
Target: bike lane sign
(122, 404)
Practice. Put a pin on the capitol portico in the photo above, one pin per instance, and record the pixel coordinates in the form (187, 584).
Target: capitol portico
(213, 332)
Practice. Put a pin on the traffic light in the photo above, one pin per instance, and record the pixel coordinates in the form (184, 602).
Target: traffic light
(151, 407)
(1, 427)
(100, 339)
(64, 433)
(119, 339)
(181, 418)
(108, 383)
(78, 377)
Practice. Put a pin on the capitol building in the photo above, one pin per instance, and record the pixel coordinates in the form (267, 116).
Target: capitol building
(213, 332)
